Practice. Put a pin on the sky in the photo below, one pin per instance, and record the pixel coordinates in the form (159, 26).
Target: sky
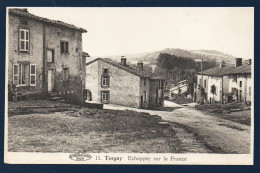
(116, 31)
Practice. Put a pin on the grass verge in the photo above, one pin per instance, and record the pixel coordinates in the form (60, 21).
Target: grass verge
(91, 130)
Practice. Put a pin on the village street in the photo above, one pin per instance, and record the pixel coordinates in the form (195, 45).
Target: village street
(217, 134)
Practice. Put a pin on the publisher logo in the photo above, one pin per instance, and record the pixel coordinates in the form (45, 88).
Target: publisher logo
(80, 156)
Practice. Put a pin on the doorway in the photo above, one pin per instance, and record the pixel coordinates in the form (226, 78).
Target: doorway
(50, 80)
(141, 99)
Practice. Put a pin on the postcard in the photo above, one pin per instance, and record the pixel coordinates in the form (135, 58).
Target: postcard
(129, 85)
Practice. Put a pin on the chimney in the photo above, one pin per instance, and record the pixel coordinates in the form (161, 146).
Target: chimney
(123, 61)
(238, 62)
(140, 65)
(222, 64)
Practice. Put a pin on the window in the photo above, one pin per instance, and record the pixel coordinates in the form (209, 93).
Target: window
(249, 91)
(105, 81)
(65, 74)
(205, 83)
(144, 81)
(105, 96)
(235, 79)
(105, 71)
(64, 47)
(50, 56)
(200, 83)
(24, 40)
(105, 78)
(33, 75)
(24, 74)
(240, 83)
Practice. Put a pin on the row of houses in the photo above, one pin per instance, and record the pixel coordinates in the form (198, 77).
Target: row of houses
(45, 56)
(225, 84)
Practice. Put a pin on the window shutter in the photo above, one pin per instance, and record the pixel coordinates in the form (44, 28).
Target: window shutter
(66, 47)
(61, 47)
(15, 74)
(32, 75)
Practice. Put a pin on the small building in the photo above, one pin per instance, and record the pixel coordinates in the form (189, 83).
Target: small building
(45, 56)
(108, 81)
(179, 88)
(225, 84)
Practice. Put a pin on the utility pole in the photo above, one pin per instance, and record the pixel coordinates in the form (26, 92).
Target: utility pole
(201, 94)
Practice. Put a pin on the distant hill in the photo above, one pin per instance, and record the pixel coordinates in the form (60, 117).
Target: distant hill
(150, 57)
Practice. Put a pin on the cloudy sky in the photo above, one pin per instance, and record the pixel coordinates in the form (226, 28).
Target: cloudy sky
(115, 31)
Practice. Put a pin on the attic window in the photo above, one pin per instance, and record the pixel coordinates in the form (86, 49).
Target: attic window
(105, 71)
(23, 22)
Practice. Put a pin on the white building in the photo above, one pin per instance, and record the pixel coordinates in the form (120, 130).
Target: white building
(227, 83)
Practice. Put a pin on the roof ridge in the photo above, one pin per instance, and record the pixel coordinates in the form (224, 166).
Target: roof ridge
(216, 71)
(130, 69)
(24, 13)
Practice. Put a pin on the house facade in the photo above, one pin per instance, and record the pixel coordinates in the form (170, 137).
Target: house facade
(118, 83)
(45, 56)
(225, 84)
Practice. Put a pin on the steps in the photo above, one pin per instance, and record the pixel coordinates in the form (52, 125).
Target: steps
(56, 98)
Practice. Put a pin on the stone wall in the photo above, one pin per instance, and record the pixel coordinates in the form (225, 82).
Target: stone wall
(34, 55)
(145, 87)
(73, 87)
(92, 80)
(43, 37)
(124, 87)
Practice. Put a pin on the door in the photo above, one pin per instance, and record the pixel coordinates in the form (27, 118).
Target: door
(50, 81)
(156, 99)
(240, 95)
(141, 99)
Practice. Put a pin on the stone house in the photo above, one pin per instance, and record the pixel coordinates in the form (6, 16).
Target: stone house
(45, 56)
(108, 81)
(231, 83)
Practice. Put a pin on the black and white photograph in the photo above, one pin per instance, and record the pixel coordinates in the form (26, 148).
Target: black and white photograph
(129, 85)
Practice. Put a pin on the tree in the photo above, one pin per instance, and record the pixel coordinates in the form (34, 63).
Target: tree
(213, 90)
(175, 68)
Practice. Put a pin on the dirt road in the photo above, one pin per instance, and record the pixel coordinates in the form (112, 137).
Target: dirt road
(217, 134)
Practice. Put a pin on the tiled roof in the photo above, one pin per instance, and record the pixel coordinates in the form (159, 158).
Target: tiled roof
(132, 70)
(216, 71)
(241, 69)
(24, 13)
